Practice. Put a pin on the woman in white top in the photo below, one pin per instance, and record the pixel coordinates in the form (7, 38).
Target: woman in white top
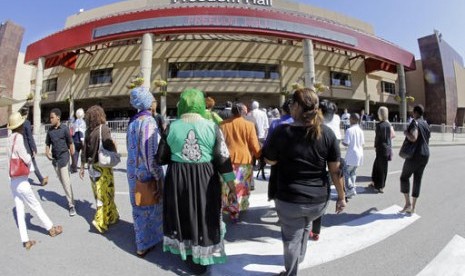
(20, 187)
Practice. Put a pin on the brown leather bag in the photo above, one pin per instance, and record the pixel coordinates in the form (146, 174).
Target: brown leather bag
(147, 193)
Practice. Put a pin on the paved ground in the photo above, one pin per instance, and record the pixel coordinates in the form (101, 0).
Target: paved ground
(253, 245)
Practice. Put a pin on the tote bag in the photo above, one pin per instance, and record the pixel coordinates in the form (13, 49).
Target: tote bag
(17, 165)
(106, 158)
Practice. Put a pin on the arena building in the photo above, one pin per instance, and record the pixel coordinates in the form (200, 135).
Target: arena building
(231, 49)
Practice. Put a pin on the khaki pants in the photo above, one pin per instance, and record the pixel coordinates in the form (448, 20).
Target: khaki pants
(63, 175)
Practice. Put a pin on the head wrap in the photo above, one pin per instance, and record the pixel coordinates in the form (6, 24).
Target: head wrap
(141, 98)
(191, 101)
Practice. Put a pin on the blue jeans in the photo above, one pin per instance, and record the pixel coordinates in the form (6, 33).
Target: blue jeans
(295, 222)
(350, 178)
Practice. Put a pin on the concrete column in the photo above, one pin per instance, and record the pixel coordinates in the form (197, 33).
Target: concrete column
(309, 63)
(367, 96)
(402, 92)
(146, 59)
(163, 106)
(38, 95)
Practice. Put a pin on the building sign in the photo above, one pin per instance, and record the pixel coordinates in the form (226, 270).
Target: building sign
(247, 2)
(243, 22)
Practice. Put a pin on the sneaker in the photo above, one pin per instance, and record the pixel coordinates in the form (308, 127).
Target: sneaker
(44, 181)
(72, 211)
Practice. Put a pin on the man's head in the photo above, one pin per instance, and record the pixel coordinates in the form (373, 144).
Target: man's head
(24, 111)
(55, 116)
(354, 118)
(418, 111)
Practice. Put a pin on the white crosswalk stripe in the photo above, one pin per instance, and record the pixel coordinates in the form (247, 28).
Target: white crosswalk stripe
(449, 262)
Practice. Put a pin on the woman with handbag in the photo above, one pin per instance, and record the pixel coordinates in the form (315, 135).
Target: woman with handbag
(416, 158)
(103, 185)
(144, 175)
(383, 150)
(19, 164)
(196, 154)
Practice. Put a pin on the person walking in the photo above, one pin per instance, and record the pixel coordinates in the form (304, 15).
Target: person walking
(210, 114)
(418, 132)
(20, 187)
(101, 178)
(383, 150)
(241, 139)
(59, 139)
(79, 130)
(196, 154)
(302, 150)
(143, 136)
(31, 145)
(354, 140)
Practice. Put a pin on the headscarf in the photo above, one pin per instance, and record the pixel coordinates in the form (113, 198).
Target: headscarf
(191, 101)
(141, 98)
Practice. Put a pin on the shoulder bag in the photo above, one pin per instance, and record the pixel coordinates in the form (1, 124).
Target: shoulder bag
(106, 158)
(407, 150)
(17, 166)
(146, 193)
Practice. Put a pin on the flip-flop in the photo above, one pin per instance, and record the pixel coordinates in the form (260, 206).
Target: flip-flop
(55, 231)
(29, 244)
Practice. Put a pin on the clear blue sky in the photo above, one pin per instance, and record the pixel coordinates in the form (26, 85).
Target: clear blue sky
(399, 21)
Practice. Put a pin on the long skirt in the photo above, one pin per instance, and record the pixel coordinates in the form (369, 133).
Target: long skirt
(379, 172)
(104, 194)
(244, 176)
(192, 213)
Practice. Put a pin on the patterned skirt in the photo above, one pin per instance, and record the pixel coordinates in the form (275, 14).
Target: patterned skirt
(104, 194)
(192, 222)
(244, 177)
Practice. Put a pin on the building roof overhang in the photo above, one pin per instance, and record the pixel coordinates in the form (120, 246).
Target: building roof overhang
(60, 48)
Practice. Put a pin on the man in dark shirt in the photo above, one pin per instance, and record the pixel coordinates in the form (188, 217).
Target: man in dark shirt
(59, 137)
(226, 113)
(31, 145)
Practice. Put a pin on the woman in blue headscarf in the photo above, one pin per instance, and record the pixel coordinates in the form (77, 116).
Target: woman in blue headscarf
(142, 144)
(196, 154)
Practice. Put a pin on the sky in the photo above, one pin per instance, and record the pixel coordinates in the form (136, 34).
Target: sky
(401, 22)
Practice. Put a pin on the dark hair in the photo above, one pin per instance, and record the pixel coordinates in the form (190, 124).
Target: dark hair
(95, 116)
(328, 109)
(311, 116)
(228, 104)
(355, 117)
(285, 107)
(56, 111)
(19, 129)
(236, 109)
(419, 109)
(24, 111)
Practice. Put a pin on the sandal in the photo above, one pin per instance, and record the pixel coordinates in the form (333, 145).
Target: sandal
(55, 231)
(407, 209)
(142, 253)
(29, 244)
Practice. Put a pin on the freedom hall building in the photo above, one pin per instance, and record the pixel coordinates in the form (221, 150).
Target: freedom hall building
(235, 50)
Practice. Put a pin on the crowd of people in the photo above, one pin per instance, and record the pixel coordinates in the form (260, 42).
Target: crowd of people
(202, 165)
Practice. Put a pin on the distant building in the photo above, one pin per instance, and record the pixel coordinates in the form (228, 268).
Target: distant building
(11, 36)
(439, 81)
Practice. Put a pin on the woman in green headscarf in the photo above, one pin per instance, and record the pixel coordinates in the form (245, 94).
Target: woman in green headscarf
(196, 153)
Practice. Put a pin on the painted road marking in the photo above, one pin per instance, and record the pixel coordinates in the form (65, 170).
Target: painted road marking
(450, 261)
(264, 254)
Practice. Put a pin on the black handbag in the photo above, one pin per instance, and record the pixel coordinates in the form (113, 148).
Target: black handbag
(408, 149)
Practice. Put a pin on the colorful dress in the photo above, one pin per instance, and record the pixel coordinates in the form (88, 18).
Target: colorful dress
(142, 144)
(242, 141)
(196, 154)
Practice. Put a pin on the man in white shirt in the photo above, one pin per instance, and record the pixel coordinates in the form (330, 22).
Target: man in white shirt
(354, 140)
(345, 118)
(262, 121)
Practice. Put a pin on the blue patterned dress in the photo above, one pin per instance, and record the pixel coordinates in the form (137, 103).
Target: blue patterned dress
(148, 220)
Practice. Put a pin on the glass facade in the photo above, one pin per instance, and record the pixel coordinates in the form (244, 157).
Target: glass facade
(223, 70)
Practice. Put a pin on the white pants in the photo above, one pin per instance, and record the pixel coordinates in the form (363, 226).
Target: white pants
(22, 193)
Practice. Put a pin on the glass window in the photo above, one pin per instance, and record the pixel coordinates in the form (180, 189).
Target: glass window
(341, 79)
(101, 76)
(223, 70)
(50, 85)
(388, 87)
